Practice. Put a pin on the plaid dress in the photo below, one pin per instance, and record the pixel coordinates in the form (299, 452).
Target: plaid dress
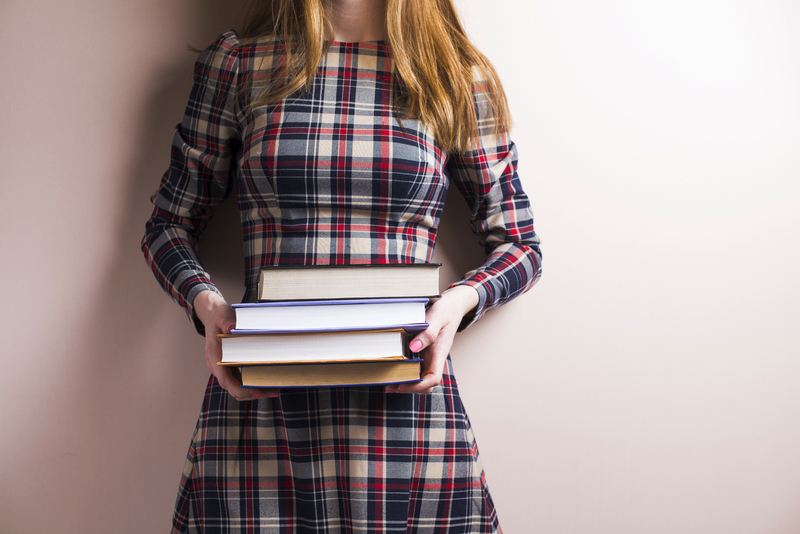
(329, 176)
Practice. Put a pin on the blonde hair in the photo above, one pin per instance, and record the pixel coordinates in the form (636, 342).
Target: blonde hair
(434, 63)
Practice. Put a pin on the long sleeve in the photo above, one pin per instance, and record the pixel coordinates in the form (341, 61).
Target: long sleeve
(199, 177)
(501, 216)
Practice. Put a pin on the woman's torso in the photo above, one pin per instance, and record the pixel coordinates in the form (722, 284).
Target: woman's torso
(329, 175)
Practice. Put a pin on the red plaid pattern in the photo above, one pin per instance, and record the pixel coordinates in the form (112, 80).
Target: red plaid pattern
(329, 176)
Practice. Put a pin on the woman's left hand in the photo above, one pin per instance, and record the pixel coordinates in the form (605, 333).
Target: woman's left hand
(443, 317)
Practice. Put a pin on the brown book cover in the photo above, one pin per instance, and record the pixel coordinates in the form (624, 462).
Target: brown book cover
(331, 374)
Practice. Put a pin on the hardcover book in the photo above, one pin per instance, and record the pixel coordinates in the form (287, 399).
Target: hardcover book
(305, 315)
(332, 374)
(296, 347)
(316, 282)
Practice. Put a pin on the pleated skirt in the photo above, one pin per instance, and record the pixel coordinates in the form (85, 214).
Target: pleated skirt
(335, 460)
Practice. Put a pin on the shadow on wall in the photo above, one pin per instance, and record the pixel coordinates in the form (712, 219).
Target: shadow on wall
(136, 381)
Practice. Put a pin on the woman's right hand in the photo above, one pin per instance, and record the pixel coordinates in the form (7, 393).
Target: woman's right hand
(218, 318)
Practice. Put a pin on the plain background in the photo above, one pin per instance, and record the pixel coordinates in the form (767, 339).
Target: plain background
(647, 384)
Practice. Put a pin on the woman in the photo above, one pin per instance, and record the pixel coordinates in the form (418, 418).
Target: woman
(342, 122)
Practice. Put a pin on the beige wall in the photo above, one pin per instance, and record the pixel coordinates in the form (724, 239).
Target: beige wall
(648, 384)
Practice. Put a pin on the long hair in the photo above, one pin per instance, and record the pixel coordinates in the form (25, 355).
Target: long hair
(435, 64)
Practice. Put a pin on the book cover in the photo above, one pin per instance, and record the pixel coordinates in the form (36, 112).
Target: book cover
(332, 374)
(310, 315)
(303, 282)
(276, 347)
(408, 328)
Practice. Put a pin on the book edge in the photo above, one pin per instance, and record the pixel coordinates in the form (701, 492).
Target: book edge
(337, 385)
(414, 328)
(349, 265)
(329, 302)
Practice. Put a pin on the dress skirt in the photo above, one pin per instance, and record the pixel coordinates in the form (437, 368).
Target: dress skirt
(335, 460)
(330, 175)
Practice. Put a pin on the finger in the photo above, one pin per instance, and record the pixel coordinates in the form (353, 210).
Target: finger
(436, 318)
(213, 350)
(230, 383)
(431, 374)
(425, 338)
(425, 387)
(261, 393)
(227, 376)
(241, 393)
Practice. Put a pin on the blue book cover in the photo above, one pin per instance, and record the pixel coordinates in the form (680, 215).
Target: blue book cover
(283, 303)
(330, 315)
(409, 328)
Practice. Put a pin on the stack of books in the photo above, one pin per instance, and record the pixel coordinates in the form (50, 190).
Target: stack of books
(323, 326)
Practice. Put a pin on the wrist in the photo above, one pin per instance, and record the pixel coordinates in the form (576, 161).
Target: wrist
(466, 298)
(205, 303)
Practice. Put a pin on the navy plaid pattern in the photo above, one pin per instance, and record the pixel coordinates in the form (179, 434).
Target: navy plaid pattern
(339, 460)
(329, 176)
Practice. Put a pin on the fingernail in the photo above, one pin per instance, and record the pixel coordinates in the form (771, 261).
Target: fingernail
(255, 395)
(415, 345)
(230, 327)
(273, 395)
(403, 390)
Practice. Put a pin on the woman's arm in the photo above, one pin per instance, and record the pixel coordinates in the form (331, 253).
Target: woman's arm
(501, 216)
(200, 176)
